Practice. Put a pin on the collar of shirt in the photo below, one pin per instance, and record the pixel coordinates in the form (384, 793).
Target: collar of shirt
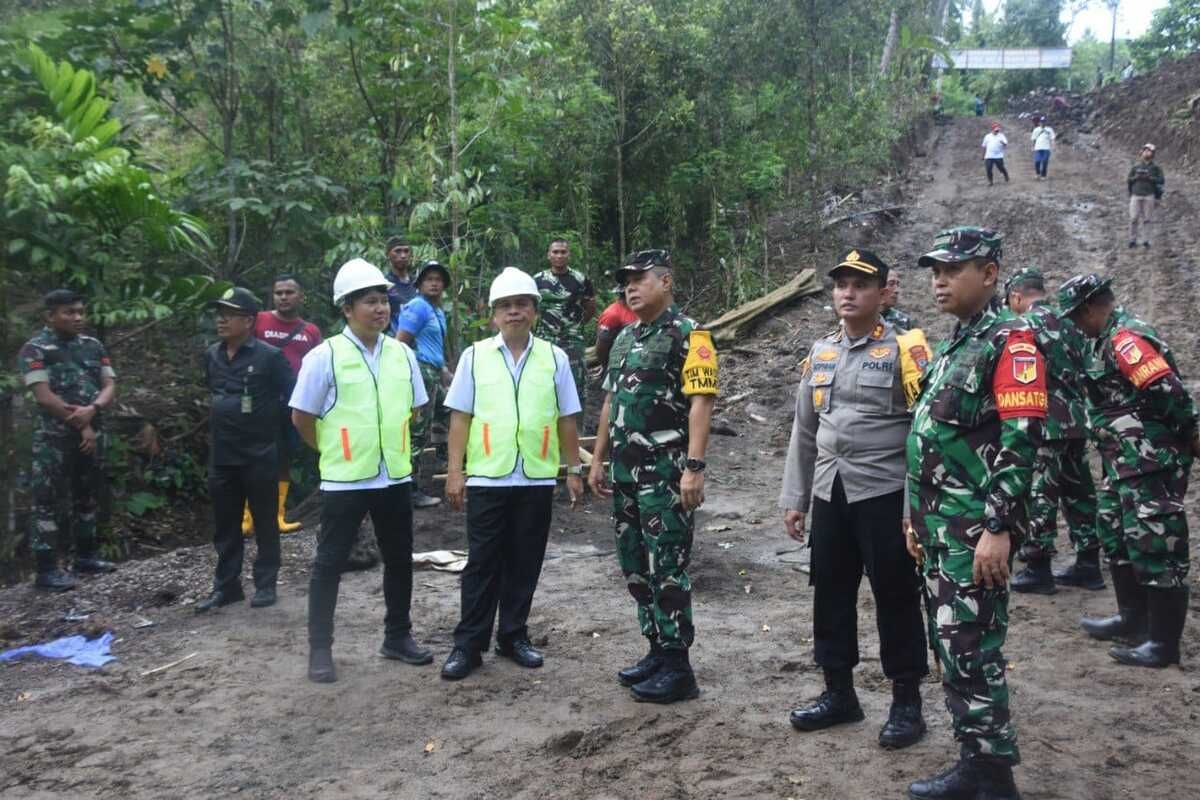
(514, 365)
(249, 345)
(372, 356)
(641, 328)
(57, 337)
(974, 325)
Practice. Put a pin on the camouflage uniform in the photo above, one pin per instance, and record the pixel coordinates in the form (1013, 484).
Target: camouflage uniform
(74, 368)
(971, 454)
(560, 319)
(1062, 474)
(899, 320)
(1144, 418)
(648, 430)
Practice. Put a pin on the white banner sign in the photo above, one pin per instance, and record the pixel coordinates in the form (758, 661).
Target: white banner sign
(1016, 58)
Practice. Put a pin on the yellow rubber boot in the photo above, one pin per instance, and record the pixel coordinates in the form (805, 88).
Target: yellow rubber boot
(247, 522)
(286, 527)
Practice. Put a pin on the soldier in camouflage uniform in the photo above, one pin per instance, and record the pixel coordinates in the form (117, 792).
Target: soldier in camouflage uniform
(971, 454)
(661, 387)
(568, 302)
(1062, 473)
(72, 382)
(1145, 427)
(891, 314)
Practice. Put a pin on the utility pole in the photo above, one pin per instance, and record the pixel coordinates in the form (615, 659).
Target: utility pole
(1112, 41)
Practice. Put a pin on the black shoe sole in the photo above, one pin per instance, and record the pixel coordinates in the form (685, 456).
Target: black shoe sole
(53, 589)
(806, 727)
(1090, 586)
(231, 601)
(255, 603)
(691, 694)
(416, 661)
(513, 658)
(322, 677)
(901, 744)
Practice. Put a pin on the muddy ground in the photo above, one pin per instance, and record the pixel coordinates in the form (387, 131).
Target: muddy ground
(240, 718)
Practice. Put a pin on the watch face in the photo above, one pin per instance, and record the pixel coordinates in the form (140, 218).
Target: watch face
(994, 525)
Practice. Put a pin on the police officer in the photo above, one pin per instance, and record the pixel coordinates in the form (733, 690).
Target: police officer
(846, 457)
(246, 377)
(891, 312)
(1062, 474)
(513, 407)
(1145, 428)
(660, 392)
(353, 404)
(568, 302)
(72, 382)
(971, 454)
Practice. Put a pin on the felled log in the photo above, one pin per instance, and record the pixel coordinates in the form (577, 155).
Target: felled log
(732, 324)
(867, 213)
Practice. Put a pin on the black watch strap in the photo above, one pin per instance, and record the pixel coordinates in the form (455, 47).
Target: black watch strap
(694, 465)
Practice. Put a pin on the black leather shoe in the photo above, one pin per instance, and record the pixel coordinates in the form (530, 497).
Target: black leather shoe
(218, 598)
(320, 666)
(833, 707)
(1168, 611)
(674, 681)
(905, 726)
(54, 580)
(646, 668)
(1084, 573)
(1130, 621)
(407, 650)
(94, 566)
(460, 663)
(522, 652)
(263, 598)
(1036, 578)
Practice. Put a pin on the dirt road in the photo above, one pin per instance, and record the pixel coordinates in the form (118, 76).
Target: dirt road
(239, 717)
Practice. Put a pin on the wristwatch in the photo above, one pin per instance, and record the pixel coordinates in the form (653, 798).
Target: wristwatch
(993, 524)
(694, 465)
(577, 469)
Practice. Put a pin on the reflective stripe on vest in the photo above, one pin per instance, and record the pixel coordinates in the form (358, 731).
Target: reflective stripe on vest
(359, 429)
(510, 418)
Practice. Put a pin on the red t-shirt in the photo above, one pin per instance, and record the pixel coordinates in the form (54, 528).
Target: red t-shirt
(273, 330)
(616, 317)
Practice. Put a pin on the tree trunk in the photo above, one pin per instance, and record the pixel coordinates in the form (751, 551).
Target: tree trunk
(231, 237)
(451, 78)
(621, 125)
(889, 44)
(8, 532)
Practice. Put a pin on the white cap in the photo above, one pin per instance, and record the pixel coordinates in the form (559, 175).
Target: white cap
(356, 274)
(512, 282)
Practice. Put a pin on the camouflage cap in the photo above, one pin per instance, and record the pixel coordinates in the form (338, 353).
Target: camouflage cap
(1076, 291)
(641, 261)
(963, 243)
(1025, 278)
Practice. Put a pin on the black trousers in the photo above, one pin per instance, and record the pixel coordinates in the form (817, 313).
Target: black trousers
(998, 163)
(230, 488)
(507, 529)
(848, 538)
(341, 515)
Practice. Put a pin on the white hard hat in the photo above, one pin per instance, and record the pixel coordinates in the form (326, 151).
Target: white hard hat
(512, 282)
(356, 274)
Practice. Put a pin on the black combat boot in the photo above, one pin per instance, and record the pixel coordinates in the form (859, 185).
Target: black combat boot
(320, 665)
(1130, 620)
(405, 648)
(905, 725)
(1084, 573)
(1036, 578)
(837, 704)
(650, 664)
(674, 681)
(89, 562)
(1168, 610)
(49, 577)
(977, 778)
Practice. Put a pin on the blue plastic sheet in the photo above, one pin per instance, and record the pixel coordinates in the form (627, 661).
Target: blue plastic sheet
(77, 650)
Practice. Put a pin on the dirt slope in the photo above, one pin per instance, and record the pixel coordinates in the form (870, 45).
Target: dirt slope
(240, 718)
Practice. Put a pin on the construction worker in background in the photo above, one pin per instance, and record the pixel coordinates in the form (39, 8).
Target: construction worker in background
(283, 328)
(568, 302)
(353, 404)
(513, 407)
(246, 377)
(1062, 474)
(72, 382)
(971, 456)
(660, 392)
(401, 287)
(1145, 427)
(422, 326)
(846, 460)
(1145, 184)
(995, 143)
(612, 321)
(890, 299)
(1043, 141)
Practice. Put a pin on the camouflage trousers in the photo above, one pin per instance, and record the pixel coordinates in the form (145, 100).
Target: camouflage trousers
(654, 546)
(424, 420)
(1143, 523)
(577, 357)
(969, 623)
(1062, 476)
(60, 473)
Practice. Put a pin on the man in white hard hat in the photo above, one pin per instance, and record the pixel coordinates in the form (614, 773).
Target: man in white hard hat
(353, 404)
(512, 403)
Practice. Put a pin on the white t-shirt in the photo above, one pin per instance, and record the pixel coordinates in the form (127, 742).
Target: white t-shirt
(994, 144)
(1043, 137)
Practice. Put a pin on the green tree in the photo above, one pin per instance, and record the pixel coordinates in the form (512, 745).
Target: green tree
(1174, 32)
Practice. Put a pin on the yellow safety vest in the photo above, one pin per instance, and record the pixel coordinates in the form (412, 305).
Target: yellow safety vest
(370, 415)
(511, 418)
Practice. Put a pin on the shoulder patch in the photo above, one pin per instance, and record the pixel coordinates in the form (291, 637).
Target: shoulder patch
(700, 369)
(1139, 360)
(1017, 348)
(1019, 383)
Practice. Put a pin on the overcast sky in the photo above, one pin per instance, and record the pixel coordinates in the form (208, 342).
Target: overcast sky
(1133, 18)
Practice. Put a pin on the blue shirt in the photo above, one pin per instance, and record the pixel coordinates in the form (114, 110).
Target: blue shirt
(426, 323)
(399, 293)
